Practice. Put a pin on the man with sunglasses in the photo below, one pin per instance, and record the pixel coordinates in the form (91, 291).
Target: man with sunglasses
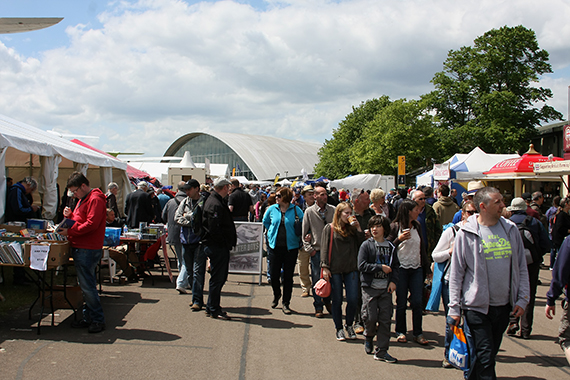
(431, 229)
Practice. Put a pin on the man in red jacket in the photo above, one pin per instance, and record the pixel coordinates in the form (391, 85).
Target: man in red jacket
(86, 238)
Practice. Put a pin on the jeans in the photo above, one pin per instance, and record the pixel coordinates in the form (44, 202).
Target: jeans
(199, 276)
(318, 302)
(411, 280)
(350, 281)
(185, 276)
(281, 257)
(553, 252)
(219, 265)
(85, 261)
(487, 331)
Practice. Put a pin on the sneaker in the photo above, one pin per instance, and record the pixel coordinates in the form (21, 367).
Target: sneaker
(286, 309)
(358, 328)
(385, 358)
(82, 324)
(195, 307)
(446, 364)
(319, 314)
(305, 294)
(223, 316)
(96, 327)
(369, 346)
(513, 328)
(275, 302)
(181, 290)
(340, 335)
(525, 336)
(402, 338)
(350, 332)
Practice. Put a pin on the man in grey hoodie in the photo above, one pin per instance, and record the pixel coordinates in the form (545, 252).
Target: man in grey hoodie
(486, 248)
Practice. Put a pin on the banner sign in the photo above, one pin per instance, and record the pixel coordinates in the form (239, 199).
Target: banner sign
(246, 257)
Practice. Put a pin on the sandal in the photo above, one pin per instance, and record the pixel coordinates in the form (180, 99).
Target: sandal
(402, 338)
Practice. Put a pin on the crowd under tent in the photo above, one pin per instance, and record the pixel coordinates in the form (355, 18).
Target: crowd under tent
(30, 151)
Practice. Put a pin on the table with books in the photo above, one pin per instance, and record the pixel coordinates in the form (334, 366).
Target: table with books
(44, 253)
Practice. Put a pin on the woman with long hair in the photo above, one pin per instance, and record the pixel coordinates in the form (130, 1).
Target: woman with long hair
(283, 245)
(406, 235)
(342, 268)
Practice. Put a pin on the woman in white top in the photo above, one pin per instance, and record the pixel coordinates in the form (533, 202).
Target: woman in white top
(442, 254)
(406, 235)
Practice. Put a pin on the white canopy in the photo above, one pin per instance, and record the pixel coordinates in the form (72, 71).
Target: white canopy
(27, 150)
(467, 167)
(361, 181)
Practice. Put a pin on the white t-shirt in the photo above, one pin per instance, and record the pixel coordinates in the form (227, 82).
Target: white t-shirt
(409, 251)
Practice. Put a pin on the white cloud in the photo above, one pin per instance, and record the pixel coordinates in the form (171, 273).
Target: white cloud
(158, 69)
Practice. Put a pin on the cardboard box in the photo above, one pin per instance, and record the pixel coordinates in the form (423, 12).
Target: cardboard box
(59, 252)
(73, 295)
(14, 229)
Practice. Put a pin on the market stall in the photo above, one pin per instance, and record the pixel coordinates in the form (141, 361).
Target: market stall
(516, 176)
(27, 150)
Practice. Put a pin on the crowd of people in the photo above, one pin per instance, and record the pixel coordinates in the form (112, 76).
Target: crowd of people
(368, 244)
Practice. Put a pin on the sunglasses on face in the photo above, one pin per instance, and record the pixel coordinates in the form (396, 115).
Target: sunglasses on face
(278, 196)
(471, 212)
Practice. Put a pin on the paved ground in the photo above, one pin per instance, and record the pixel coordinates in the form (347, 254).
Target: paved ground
(151, 333)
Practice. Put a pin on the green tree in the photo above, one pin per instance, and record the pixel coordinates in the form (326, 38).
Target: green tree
(403, 128)
(485, 95)
(334, 155)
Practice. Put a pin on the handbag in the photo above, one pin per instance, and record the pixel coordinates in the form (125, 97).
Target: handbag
(323, 287)
(298, 224)
(458, 354)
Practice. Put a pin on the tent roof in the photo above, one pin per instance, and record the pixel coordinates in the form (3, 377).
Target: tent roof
(32, 140)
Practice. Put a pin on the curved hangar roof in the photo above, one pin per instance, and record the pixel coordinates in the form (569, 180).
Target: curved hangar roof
(265, 156)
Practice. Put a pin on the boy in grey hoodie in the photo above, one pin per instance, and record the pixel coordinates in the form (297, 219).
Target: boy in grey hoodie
(486, 248)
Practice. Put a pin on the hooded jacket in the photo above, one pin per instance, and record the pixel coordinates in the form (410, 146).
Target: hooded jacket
(168, 213)
(468, 280)
(445, 209)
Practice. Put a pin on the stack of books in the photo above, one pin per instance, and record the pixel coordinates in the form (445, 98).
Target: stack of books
(11, 253)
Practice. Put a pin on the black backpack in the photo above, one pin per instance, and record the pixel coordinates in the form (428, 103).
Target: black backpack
(531, 249)
(196, 218)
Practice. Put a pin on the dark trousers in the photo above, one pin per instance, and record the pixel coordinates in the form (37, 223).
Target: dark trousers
(281, 257)
(219, 266)
(528, 316)
(487, 332)
(411, 280)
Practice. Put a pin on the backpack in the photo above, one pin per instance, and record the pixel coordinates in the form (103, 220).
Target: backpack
(531, 250)
(196, 218)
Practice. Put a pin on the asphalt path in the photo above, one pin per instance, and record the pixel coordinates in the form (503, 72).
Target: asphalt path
(152, 333)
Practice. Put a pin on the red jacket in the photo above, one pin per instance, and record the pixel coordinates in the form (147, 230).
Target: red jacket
(90, 216)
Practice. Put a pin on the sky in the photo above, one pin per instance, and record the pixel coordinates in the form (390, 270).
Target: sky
(135, 75)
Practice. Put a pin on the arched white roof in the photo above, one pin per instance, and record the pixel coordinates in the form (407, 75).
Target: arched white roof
(265, 156)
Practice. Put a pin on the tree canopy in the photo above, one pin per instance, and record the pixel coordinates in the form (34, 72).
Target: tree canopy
(485, 96)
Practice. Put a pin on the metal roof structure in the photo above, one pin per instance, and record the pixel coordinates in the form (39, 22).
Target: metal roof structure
(26, 24)
(264, 155)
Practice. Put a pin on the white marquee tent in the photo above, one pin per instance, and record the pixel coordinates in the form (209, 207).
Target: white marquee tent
(467, 167)
(27, 150)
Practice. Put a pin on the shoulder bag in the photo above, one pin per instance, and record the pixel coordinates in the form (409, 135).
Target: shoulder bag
(323, 287)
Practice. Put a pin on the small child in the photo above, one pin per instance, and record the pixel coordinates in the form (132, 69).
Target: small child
(378, 264)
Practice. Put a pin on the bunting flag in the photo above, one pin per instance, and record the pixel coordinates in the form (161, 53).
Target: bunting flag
(233, 172)
(276, 179)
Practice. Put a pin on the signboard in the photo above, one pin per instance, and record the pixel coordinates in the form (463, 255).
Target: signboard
(441, 172)
(401, 165)
(401, 181)
(551, 167)
(246, 257)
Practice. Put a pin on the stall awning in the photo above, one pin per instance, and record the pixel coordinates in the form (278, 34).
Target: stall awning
(519, 167)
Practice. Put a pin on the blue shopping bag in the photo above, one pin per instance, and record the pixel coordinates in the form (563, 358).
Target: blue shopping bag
(458, 354)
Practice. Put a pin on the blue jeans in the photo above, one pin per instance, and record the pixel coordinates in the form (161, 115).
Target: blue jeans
(186, 261)
(350, 281)
(411, 280)
(199, 276)
(219, 266)
(318, 302)
(85, 261)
